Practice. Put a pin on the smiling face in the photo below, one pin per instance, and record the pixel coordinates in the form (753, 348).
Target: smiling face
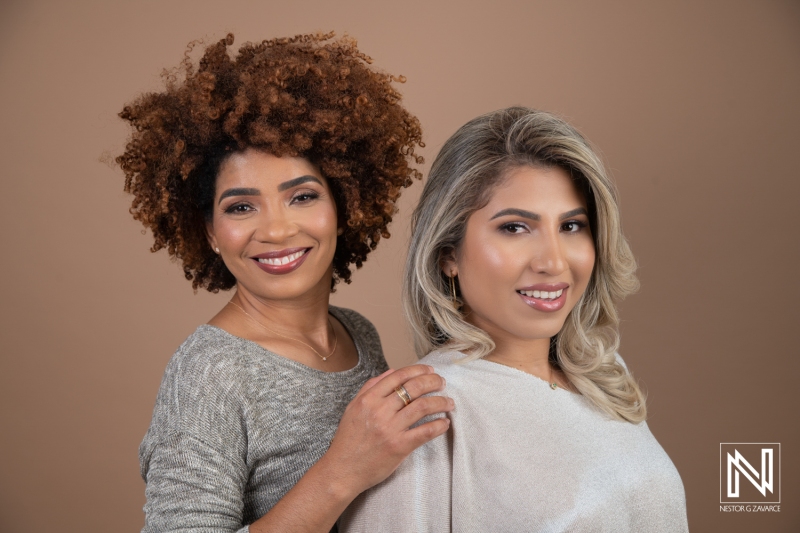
(526, 257)
(275, 225)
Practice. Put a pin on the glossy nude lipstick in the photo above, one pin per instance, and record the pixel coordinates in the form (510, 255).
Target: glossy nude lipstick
(547, 297)
(282, 261)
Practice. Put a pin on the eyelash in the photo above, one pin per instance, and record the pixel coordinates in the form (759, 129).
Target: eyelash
(309, 195)
(579, 223)
(508, 226)
(302, 198)
(235, 208)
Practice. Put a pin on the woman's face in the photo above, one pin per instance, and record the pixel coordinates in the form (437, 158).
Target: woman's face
(526, 257)
(274, 222)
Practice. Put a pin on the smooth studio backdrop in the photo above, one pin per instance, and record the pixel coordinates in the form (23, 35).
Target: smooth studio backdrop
(693, 104)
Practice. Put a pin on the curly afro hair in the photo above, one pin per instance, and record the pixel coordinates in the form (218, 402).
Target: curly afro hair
(306, 96)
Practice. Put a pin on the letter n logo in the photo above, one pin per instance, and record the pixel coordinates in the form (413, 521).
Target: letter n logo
(750, 472)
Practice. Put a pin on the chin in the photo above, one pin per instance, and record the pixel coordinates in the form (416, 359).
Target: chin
(542, 331)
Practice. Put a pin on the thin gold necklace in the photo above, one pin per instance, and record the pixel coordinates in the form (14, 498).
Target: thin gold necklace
(323, 357)
(553, 383)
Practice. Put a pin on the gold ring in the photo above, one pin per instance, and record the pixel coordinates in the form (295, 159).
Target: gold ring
(403, 393)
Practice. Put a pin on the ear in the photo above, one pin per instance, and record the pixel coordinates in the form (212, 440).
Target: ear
(212, 239)
(448, 264)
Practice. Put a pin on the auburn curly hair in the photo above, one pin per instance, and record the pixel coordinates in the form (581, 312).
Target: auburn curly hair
(306, 96)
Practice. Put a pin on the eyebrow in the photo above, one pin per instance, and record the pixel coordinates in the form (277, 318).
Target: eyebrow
(296, 181)
(255, 192)
(239, 192)
(574, 212)
(533, 216)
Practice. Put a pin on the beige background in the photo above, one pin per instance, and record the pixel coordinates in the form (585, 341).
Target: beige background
(694, 105)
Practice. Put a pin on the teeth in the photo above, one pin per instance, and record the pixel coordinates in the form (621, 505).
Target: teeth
(277, 261)
(543, 295)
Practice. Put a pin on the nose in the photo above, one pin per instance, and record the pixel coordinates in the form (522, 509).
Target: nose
(275, 226)
(549, 256)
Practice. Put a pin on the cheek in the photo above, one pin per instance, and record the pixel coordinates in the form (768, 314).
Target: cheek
(322, 223)
(230, 235)
(582, 262)
(481, 257)
(485, 263)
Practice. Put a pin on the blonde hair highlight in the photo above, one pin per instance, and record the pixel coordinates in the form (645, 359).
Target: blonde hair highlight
(470, 164)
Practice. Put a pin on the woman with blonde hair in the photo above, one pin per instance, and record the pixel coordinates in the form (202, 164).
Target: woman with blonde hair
(516, 261)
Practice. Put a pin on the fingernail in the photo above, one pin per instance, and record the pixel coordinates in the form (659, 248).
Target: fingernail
(451, 403)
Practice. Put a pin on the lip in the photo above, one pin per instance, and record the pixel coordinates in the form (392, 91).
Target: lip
(547, 306)
(281, 269)
(549, 287)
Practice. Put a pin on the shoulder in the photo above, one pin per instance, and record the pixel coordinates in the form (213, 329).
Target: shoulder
(209, 356)
(202, 394)
(356, 323)
(450, 364)
(206, 375)
(442, 357)
(364, 334)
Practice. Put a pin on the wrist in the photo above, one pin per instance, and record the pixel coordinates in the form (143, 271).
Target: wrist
(337, 484)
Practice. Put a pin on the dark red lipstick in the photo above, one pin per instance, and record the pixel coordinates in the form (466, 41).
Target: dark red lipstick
(281, 262)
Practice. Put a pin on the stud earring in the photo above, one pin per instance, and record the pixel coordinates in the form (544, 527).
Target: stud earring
(216, 250)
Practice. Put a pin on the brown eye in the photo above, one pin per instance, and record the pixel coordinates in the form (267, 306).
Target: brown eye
(305, 197)
(513, 228)
(572, 226)
(238, 208)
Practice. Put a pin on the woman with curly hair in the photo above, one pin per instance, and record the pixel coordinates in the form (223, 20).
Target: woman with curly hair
(517, 259)
(273, 172)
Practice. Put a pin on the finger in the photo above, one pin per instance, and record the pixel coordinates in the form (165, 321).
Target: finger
(424, 384)
(372, 381)
(389, 383)
(416, 437)
(422, 407)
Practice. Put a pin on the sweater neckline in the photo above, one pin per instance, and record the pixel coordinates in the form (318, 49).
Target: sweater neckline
(333, 311)
(511, 372)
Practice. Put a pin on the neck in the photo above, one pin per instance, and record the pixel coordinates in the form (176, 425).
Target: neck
(306, 316)
(529, 355)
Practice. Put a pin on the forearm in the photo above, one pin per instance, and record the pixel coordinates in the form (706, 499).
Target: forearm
(313, 504)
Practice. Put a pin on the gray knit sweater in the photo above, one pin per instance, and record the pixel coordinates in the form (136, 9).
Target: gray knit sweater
(235, 426)
(521, 457)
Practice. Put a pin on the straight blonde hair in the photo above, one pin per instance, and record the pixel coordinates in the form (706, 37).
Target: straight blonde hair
(469, 166)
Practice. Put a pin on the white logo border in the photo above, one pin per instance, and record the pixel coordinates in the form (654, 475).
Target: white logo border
(780, 477)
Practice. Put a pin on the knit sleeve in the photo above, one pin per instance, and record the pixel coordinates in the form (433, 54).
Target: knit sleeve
(193, 457)
(416, 498)
(192, 486)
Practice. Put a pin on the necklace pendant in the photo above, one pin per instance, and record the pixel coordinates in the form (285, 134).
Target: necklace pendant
(554, 385)
(324, 358)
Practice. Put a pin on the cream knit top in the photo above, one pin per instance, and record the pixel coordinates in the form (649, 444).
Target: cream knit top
(520, 456)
